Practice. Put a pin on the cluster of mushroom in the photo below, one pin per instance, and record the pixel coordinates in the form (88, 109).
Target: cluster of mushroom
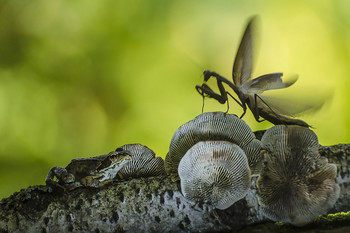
(215, 155)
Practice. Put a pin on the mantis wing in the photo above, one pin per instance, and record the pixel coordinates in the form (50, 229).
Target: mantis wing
(288, 106)
(243, 64)
(268, 82)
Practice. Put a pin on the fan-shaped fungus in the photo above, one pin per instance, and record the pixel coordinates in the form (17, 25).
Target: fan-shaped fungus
(215, 172)
(212, 126)
(128, 161)
(143, 162)
(296, 184)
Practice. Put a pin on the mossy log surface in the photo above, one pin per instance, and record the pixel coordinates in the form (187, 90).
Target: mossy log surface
(156, 204)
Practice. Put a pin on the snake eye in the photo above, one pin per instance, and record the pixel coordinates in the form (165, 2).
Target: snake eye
(215, 172)
(296, 184)
(119, 149)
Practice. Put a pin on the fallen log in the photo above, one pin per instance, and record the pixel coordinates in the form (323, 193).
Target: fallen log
(148, 204)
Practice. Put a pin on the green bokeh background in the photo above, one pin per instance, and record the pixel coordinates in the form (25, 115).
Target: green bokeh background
(80, 78)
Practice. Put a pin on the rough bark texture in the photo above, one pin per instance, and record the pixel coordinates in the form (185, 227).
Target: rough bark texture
(152, 204)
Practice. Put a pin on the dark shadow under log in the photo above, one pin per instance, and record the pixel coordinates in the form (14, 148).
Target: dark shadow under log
(152, 204)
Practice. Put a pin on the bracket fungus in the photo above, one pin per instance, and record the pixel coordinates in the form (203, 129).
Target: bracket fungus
(296, 184)
(143, 162)
(128, 161)
(215, 172)
(212, 126)
(214, 155)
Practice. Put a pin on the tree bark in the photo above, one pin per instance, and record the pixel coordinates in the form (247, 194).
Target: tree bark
(152, 204)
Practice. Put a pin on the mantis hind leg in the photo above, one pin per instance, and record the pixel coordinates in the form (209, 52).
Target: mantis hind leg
(257, 109)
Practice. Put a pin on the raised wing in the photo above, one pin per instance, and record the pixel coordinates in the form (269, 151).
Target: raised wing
(243, 64)
(268, 82)
(289, 106)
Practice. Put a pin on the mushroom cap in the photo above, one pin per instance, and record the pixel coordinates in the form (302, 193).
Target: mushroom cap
(281, 137)
(209, 126)
(215, 172)
(254, 156)
(143, 162)
(296, 184)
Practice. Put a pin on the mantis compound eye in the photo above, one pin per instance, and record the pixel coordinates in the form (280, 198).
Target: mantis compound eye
(296, 184)
(215, 172)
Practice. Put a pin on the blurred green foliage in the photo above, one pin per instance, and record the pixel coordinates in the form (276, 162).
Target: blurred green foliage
(80, 78)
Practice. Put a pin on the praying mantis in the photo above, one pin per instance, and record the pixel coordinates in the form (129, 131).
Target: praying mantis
(249, 90)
